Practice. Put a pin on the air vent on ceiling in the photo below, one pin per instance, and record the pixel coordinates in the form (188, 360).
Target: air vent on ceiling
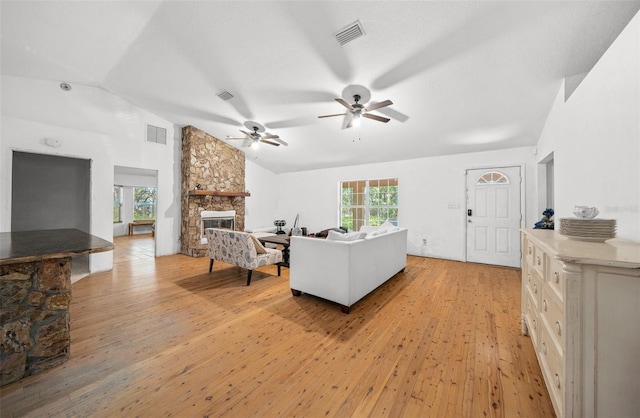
(225, 95)
(351, 32)
(156, 134)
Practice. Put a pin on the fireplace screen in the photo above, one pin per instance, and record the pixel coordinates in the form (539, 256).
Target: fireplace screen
(216, 219)
(224, 223)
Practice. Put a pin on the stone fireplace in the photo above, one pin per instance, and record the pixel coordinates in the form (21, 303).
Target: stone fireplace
(212, 180)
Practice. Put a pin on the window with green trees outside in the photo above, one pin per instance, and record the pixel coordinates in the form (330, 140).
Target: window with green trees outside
(368, 202)
(144, 203)
(117, 203)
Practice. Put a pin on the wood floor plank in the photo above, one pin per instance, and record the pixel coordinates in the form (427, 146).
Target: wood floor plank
(163, 337)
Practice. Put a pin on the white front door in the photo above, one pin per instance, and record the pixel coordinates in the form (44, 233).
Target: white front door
(493, 216)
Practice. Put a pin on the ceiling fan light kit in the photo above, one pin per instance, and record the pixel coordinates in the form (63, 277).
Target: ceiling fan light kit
(256, 136)
(357, 110)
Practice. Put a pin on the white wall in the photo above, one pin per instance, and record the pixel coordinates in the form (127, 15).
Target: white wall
(595, 137)
(427, 188)
(96, 125)
(260, 207)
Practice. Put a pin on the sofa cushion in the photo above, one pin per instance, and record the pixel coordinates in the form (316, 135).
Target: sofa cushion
(376, 233)
(351, 236)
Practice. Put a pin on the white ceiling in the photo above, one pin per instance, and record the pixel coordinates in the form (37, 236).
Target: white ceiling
(463, 76)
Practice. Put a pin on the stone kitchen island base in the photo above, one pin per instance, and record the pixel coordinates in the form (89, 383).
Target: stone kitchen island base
(35, 292)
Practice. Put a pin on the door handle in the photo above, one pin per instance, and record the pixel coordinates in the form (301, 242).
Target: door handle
(469, 212)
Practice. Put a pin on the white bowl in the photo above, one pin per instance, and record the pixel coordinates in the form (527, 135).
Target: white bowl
(585, 212)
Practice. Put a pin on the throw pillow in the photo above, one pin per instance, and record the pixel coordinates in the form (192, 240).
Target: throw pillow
(351, 236)
(259, 247)
(386, 225)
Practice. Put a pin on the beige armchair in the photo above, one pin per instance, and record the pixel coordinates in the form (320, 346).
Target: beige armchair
(240, 249)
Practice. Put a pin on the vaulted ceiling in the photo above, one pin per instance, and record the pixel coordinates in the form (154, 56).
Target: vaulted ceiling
(464, 76)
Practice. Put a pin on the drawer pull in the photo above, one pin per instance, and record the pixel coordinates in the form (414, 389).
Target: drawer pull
(529, 277)
(557, 381)
(544, 305)
(558, 328)
(557, 276)
(535, 288)
(544, 348)
(530, 251)
(535, 326)
(538, 261)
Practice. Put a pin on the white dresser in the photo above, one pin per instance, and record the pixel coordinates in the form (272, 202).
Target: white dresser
(581, 308)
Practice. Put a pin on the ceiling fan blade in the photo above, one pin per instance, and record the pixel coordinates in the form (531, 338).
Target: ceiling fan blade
(345, 104)
(269, 142)
(375, 117)
(328, 116)
(270, 136)
(280, 141)
(379, 105)
(230, 137)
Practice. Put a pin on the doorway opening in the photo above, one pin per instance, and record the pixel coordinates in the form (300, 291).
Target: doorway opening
(546, 173)
(135, 192)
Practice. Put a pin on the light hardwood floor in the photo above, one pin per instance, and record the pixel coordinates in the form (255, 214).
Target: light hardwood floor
(163, 337)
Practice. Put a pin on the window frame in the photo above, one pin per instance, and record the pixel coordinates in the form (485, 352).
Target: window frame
(118, 202)
(492, 177)
(362, 202)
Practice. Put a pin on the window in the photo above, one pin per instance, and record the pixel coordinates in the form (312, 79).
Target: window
(144, 203)
(117, 203)
(492, 177)
(368, 202)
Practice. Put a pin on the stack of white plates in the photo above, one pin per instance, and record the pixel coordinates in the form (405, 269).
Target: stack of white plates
(595, 230)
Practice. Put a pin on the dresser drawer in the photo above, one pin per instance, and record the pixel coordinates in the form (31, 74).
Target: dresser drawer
(551, 314)
(555, 279)
(538, 260)
(528, 251)
(532, 318)
(533, 284)
(551, 363)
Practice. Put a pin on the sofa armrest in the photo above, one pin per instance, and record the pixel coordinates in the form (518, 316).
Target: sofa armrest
(320, 267)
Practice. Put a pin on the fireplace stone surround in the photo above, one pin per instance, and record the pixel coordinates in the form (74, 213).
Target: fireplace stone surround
(216, 167)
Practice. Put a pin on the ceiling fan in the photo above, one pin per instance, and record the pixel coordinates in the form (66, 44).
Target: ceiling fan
(357, 110)
(256, 137)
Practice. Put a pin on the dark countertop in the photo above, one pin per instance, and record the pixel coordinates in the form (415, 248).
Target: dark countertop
(27, 246)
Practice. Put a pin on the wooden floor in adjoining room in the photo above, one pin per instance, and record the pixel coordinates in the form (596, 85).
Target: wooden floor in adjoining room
(163, 337)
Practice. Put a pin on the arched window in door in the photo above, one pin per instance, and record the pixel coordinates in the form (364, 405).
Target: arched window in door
(492, 177)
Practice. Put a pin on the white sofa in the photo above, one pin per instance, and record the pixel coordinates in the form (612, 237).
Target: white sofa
(346, 271)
